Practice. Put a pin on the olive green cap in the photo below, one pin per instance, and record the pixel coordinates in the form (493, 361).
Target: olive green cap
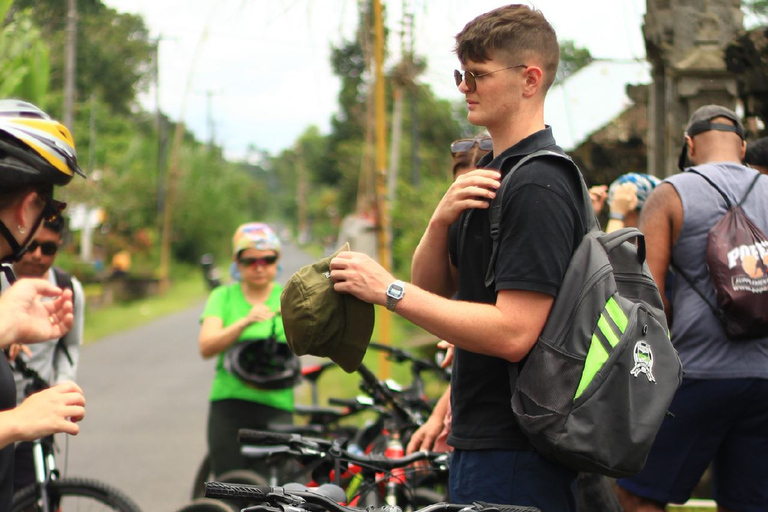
(322, 322)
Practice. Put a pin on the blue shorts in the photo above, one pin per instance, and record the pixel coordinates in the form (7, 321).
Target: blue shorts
(720, 421)
(508, 477)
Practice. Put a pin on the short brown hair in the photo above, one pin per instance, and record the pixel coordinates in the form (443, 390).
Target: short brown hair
(515, 30)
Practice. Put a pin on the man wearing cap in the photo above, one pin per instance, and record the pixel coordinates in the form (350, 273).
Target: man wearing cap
(720, 412)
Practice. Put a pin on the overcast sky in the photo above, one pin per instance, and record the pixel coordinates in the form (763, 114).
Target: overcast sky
(263, 74)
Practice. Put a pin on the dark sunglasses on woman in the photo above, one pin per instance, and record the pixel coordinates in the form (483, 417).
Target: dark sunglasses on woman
(262, 262)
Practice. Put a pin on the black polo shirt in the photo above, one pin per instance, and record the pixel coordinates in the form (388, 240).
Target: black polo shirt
(542, 222)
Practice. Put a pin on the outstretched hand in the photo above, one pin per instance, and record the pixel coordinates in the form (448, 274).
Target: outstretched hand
(474, 189)
(53, 410)
(26, 318)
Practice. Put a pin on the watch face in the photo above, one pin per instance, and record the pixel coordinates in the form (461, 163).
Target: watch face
(395, 291)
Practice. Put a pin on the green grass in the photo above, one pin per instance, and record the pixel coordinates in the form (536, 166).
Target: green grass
(184, 292)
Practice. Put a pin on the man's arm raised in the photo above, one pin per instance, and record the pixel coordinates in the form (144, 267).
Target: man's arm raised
(431, 268)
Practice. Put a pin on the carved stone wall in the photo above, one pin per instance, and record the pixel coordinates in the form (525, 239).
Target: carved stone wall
(685, 42)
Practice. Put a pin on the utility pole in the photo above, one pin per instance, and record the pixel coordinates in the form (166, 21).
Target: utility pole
(70, 55)
(382, 208)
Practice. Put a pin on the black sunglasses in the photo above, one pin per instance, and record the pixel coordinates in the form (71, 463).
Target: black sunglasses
(52, 209)
(47, 248)
(458, 146)
(470, 78)
(262, 262)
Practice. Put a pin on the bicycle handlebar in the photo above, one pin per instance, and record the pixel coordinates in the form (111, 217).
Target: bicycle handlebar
(304, 500)
(375, 461)
(400, 355)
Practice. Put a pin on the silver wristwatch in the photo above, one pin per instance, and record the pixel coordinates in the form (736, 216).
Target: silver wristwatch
(395, 292)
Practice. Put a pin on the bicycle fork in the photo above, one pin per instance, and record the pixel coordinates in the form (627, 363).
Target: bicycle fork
(45, 471)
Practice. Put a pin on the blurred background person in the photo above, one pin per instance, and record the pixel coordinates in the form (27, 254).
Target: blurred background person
(626, 197)
(246, 310)
(756, 155)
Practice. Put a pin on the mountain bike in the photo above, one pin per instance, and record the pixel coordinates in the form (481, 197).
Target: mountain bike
(53, 493)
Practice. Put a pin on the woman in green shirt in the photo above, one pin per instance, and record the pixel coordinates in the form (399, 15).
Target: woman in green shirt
(245, 310)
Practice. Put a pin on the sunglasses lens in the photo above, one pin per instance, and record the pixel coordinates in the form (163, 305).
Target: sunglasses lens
(49, 248)
(457, 77)
(486, 144)
(461, 145)
(249, 262)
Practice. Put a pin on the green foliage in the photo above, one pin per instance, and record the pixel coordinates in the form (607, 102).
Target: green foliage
(114, 52)
(24, 68)
(757, 7)
(572, 58)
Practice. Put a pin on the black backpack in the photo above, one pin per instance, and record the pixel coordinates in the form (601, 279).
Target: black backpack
(737, 258)
(594, 389)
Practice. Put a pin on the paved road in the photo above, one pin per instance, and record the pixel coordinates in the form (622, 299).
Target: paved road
(146, 392)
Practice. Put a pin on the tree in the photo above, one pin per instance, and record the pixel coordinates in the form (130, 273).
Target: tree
(24, 67)
(114, 51)
(572, 59)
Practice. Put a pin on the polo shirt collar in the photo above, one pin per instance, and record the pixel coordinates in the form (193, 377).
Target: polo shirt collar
(539, 140)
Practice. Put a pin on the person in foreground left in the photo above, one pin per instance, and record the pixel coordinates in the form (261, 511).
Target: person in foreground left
(36, 153)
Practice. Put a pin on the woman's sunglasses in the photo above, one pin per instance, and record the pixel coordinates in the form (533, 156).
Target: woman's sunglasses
(47, 248)
(461, 145)
(262, 262)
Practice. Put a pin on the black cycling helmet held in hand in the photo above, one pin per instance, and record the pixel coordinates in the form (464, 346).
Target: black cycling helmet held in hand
(35, 152)
(264, 363)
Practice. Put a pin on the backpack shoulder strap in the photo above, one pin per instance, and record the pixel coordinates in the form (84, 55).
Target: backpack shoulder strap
(64, 280)
(749, 189)
(494, 212)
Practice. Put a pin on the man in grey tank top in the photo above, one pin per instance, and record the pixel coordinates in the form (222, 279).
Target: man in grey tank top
(720, 412)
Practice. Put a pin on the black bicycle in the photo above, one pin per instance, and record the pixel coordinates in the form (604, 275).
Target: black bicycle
(53, 493)
(288, 499)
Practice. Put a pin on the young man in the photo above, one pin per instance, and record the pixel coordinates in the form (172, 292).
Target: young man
(509, 58)
(54, 360)
(720, 412)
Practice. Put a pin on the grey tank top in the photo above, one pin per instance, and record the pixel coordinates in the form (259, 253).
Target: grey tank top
(697, 335)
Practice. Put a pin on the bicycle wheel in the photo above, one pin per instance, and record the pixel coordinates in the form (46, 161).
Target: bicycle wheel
(203, 475)
(80, 494)
(204, 505)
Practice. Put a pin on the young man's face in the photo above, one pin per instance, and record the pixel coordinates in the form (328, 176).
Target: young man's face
(496, 96)
(36, 263)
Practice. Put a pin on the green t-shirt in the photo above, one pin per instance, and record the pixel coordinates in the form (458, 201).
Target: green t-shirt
(228, 303)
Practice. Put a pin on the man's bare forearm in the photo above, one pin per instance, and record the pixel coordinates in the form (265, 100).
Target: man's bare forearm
(431, 267)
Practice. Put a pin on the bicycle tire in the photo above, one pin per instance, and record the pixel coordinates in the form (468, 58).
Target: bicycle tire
(71, 491)
(203, 475)
(205, 505)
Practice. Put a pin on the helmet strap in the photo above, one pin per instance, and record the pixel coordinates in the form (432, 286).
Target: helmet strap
(18, 250)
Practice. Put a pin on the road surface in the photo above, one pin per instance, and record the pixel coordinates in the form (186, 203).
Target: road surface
(146, 391)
